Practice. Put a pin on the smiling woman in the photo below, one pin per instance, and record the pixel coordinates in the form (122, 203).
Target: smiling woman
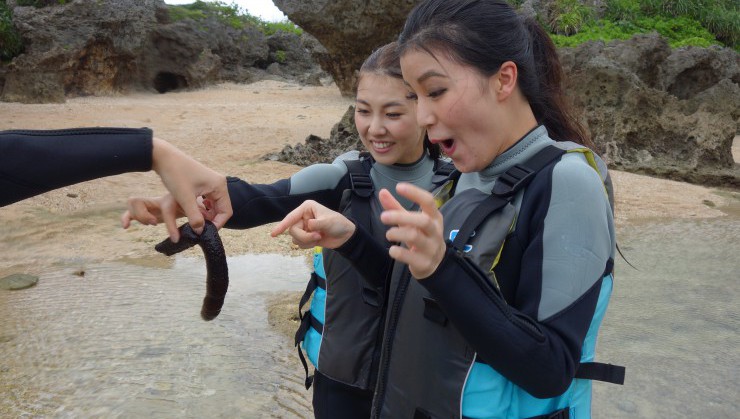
(264, 9)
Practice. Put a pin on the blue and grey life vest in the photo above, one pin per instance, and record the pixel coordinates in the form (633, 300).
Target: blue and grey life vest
(427, 368)
(341, 332)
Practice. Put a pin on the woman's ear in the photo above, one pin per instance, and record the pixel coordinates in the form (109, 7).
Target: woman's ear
(504, 81)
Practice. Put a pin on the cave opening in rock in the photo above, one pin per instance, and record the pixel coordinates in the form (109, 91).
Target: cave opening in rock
(166, 82)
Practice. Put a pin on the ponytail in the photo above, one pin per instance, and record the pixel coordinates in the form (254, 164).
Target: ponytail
(551, 107)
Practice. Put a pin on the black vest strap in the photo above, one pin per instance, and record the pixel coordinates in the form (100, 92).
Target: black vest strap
(299, 335)
(362, 189)
(601, 372)
(307, 320)
(309, 378)
(359, 176)
(519, 176)
(506, 186)
(314, 282)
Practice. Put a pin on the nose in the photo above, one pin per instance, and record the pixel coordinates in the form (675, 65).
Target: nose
(377, 127)
(424, 116)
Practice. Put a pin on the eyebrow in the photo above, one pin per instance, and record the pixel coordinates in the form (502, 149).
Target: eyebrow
(429, 74)
(385, 105)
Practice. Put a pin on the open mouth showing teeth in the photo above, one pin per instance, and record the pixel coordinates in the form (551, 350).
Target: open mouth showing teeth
(381, 145)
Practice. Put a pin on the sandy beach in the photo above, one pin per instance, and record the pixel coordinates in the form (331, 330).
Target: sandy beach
(230, 128)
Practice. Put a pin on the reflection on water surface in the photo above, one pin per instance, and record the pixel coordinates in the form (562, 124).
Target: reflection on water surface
(127, 340)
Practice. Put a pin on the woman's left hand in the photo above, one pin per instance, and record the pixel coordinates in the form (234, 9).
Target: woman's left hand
(312, 224)
(420, 231)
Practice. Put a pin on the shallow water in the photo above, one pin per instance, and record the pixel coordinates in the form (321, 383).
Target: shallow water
(674, 322)
(127, 340)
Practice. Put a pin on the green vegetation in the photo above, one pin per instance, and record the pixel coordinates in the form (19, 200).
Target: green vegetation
(683, 22)
(270, 28)
(280, 56)
(10, 41)
(569, 16)
(678, 31)
(229, 14)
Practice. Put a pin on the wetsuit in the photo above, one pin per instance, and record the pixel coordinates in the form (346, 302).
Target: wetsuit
(503, 341)
(350, 314)
(36, 161)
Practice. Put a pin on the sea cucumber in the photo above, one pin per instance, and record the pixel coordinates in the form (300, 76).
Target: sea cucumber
(217, 277)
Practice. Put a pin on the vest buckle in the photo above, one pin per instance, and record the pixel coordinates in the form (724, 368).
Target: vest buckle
(512, 180)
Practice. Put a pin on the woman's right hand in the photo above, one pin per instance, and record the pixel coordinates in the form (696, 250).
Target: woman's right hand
(312, 224)
(187, 180)
(152, 211)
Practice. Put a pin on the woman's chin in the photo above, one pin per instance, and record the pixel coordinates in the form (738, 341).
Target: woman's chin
(464, 166)
(381, 158)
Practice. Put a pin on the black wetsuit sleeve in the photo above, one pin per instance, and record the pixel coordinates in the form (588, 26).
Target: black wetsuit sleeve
(538, 357)
(534, 337)
(367, 255)
(36, 161)
(258, 204)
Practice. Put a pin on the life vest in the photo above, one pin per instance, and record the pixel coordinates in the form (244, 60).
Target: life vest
(341, 333)
(464, 385)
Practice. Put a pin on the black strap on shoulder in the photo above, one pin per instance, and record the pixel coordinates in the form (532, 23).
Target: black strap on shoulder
(601, 372)
(359, 176)
(362, 189)
(506, 186)
(519, 176)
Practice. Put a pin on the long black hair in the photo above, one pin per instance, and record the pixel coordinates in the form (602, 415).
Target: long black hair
(386, 61)
(484, 34)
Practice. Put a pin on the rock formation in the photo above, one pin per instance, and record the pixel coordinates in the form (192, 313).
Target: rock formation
(90, 47)
(650, 109)
(660, 111)
(348, 30)
(343, 138)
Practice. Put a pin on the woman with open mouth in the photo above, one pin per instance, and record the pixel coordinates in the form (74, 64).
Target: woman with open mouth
(496, 297)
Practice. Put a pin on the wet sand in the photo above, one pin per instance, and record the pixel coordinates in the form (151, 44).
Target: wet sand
(230, 127)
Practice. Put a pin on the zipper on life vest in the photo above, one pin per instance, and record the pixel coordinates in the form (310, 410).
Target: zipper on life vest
(393, 317)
